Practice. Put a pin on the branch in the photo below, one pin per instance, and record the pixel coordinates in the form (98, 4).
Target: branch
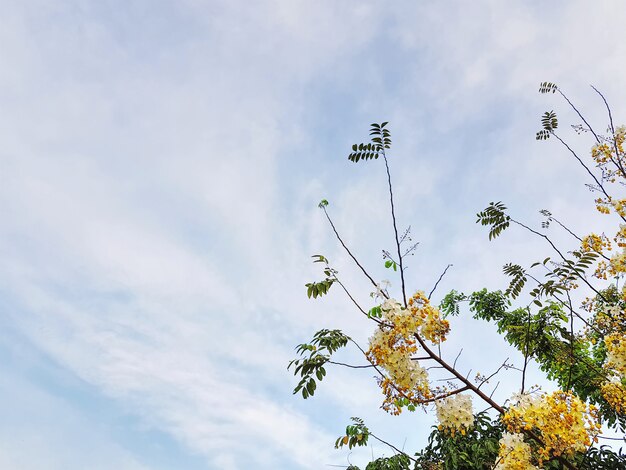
(608, 108)
(393, 447)
(350, 365)
(395, 228)
(349, 252)
(439, 280)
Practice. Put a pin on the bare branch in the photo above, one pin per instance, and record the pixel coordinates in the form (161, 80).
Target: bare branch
(439, 280)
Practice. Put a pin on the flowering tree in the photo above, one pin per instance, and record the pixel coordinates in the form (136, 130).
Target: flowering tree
(579, 344)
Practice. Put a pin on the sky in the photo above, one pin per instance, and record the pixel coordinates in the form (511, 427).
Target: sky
(160, 170)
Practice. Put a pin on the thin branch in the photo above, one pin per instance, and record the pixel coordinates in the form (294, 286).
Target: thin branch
(503, 365)
(393, 447)
(571, 342)
(350, 365)
(586, 168)
(526, 352)
(355, 302)
(579, 115)
(349, 252)
(544, 236)
(608, 108)
(439, 280)
(395, 228)
(494, 389)
(457, 358)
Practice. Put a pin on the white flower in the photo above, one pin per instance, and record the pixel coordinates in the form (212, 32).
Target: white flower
(455, 412)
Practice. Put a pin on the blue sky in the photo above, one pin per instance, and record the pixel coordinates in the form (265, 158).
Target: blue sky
(159, 175)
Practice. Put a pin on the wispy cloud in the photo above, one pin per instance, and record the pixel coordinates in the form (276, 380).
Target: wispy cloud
(161, 163)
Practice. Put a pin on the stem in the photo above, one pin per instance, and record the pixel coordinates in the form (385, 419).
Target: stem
(439, 280)
(393, 447)
(542, 235)
(618, 163)
(579, 115)
(349, 252)
(526, 353)
(395, 228)
(586, 168)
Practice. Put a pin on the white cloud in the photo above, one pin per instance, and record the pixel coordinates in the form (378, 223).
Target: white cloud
(158, 171)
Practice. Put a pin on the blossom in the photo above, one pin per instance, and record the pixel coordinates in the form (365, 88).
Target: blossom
(566, 425)
(616, 352)
(515, 454)
(614, 392)
(455, 413)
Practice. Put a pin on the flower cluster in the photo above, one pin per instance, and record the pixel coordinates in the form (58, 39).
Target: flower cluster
(565, 424)
(614, 392)
(562, 419)
(391, 348)
(616, 353)
(432, 326)
(594, 242)
(395, 341)
(455, 413)
(609, 153)
(515, 454)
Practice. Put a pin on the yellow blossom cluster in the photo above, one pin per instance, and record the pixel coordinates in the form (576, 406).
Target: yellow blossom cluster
(616, 353)
(614, 392)
(617, 264)
(515, 454)
(391, 347)
(565, 424)
(609, 155)
(455, 413)
(432, 326)
(597, 243)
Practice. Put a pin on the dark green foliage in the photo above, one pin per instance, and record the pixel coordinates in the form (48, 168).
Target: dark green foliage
(313, 357)
(494, 216)
(602, 458)
(518, 280)
(380, 141)
(563, 275)
(357, 434)
(450, 303)
(573, 362)
(317, 289)
(547, 87)
(397, 462)
(477, 450)
(549, 122)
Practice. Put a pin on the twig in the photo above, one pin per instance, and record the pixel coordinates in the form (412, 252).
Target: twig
(492, 375)
(350, 365)
(349, 252)
(395, 228)
(439, 280)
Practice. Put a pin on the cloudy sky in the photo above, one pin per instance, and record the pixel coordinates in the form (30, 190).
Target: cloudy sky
(160, 168)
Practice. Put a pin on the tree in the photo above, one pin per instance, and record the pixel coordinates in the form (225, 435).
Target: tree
(582, 347)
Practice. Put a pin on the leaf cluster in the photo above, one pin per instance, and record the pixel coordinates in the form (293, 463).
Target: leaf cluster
(317, 289)
(380, 141)
(549, 123)
(495, 217)
(357, 434)
(476, 450)
(313, 357)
